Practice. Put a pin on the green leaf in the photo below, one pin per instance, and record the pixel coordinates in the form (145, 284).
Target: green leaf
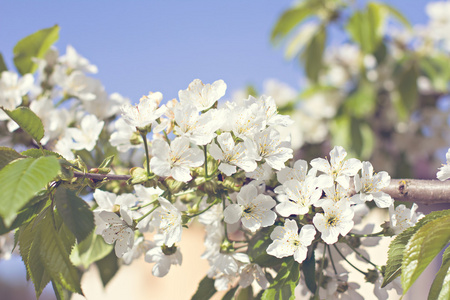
(313, 54)
(284, 284)
(230, 294)
(440, 289)
(92, 249)
(257, 249)
(291, 17)
(36, 153)
(34, 45)
(361, 102)
(398, 245)
(366, 27)
(108, 267)
(3, 66)
(28, 121)
(7, 155)
(107, 162)
(75, 213)
(423, 246)
(52, 245)
(245, 293)
(309, 270)
(205, 289)
(22, 179)
(392, 12)
(407, 85)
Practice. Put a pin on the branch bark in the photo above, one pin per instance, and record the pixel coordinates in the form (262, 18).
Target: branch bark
(411, 190)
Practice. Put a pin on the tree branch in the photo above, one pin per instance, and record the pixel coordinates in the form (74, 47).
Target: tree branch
(411, 190)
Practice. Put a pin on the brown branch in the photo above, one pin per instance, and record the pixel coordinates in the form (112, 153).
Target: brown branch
(411, 190)
(101, 177)
(419, 190)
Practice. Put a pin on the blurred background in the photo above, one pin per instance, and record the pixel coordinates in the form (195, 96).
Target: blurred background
(368, 76)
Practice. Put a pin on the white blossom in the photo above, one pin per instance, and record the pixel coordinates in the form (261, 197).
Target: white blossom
(168, 220)
(288, 241)
(163, 257)
(250, 272)
(231, 155)
(339, 170)
(444, 171)
(118, 231)
(145, 113)
(12, 89)
(252, 209)
(402, 217)
(201, 95)
(176, 159)
(369, 186)
(336, 219)
(301, 196)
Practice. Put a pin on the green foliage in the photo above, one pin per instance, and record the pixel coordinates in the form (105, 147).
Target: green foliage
(205, 289)
(245, 293)
(292, 17)
(398, 246)
(309, 270)
(45, 244)
(21, 180)
(7, 155)
(257, 249)
(407, 85)
(90, 250)
(28, 121)
(34, 45)
(230, 294)
(284, 284)
(440, 289)
(423, 246)
(3, 66)
(76, 214)
(312, 56)
(108, 267)
(366, 27)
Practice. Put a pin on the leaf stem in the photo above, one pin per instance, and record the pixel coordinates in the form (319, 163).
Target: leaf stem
(352, 265)
(206, 160)
(360, 255)
(144, 138)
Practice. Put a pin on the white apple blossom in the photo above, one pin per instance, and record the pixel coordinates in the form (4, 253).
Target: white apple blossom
(231, 155)
(245, 121)
(288, 241)
(369, 186)
(176, 159)
(268, 146)
(228, 263)
(339, 170)
(251, 272)
(301, 194)
(444, 171)
(86, 136)
(402, 217)
(163, 256)
(141, 245)
(13, 88)
(145, 113)
(168, 220)
(336, 219)
(262, 173)
(253, 209)
(267, 104)
(200, 129)
(74, 61)
(334, 194)
(76, 84)
(125, 137)
(118, 231)
(201, 95)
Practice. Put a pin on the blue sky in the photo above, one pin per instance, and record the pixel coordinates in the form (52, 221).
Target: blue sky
(142, 46)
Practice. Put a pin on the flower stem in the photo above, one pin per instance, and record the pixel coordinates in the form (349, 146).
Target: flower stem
(352, 265)
(380, 233)
(144, 137)
(152, 210)
(206, 160)
(331, 258)
(360, 255)
(200, 212)
(322, 265)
